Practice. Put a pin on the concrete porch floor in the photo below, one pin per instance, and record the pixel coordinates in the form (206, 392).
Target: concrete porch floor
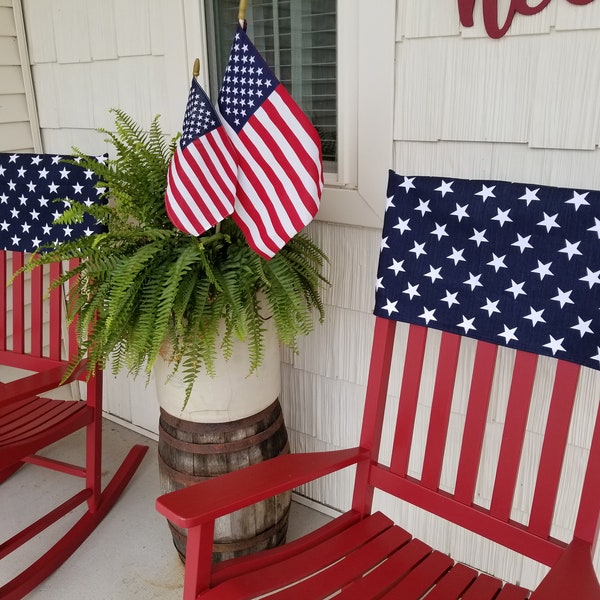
(130, 555)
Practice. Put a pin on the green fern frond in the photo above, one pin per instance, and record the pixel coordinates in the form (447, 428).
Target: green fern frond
(143, 287)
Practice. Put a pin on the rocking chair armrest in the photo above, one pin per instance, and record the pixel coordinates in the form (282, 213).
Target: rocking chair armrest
(38, 383)
(205, 501)
(572, 576)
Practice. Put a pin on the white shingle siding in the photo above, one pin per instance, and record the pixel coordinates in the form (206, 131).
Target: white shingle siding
(18, 124)
(89, 57)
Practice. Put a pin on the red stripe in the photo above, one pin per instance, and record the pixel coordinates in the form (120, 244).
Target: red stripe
(254, 217)
(226, 169)
(261, 237)
(279, 187)
(221, 197)
(312, 164)
(556, 437)
(199, 169)
(262, 196)
(306, 124)
(175, 195)
(307, 198)
(218, 170)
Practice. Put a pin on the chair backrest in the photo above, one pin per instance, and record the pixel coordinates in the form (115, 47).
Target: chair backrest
(33, 333)
(476, 421)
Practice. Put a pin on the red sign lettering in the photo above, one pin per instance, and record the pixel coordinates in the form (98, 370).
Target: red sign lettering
(491, 17)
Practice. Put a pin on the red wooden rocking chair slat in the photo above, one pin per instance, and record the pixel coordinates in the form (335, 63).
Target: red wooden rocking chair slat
(31, 338)
(363, 555)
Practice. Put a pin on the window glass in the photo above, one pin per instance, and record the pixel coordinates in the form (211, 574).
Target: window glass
(297, 38)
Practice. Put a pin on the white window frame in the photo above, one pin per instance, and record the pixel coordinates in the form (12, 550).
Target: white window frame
(366, 30)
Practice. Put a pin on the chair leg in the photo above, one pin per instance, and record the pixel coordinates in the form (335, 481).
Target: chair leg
(27, 580)
(8, 471)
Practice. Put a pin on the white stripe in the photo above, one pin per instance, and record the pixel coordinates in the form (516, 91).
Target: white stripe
(174, 202)
(186, 199)
(262, 211)
(214, 189)
(304, 139)
(280, 170)
(176, 208)
(201, 194)
(254, 233)
(231, 163)
(249, 189)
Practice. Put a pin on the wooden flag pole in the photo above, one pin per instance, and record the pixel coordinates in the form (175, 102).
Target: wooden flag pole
(196, 71)
(242, 12)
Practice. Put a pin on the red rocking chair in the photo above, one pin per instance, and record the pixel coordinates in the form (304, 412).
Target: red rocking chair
(35, 352)
(365, 555)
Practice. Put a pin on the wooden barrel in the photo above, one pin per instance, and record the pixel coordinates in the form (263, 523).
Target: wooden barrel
(189, 452)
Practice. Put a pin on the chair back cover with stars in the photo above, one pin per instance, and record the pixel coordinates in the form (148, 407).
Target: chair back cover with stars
(509, 263)
(33, 193)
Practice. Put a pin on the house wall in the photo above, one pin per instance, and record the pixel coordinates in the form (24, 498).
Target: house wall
(18, 120)
(521, 108)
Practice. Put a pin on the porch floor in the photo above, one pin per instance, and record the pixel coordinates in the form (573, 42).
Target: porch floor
(130, 555)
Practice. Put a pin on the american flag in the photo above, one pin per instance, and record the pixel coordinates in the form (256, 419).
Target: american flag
(203, 171)
(30, 184)
(511, 263)
(280, 170)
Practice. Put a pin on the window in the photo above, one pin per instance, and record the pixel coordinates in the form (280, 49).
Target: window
(298, 39)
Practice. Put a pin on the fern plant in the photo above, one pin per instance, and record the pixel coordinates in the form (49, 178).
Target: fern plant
(143, 285)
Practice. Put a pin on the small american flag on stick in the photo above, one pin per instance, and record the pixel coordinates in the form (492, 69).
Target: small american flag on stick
(202, 174)
(280, 170)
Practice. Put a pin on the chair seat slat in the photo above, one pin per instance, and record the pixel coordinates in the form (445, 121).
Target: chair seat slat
(513, 592)
(382, 578)
(422, 577)
(283, 573)
(344, 572)
(454, 583)
(483, 588)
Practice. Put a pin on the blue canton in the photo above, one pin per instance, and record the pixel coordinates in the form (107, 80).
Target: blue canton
(511, 263)
(247, 83)
(200, 117)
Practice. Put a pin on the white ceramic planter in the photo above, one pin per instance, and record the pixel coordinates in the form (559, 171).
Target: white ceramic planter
(232, 394)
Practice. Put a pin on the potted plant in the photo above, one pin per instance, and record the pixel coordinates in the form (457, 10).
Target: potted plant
(146, 295)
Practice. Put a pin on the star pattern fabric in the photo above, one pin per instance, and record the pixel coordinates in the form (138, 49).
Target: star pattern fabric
(30, 185)
(510, 263)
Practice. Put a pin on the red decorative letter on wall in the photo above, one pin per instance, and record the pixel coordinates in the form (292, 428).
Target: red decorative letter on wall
(490, 13)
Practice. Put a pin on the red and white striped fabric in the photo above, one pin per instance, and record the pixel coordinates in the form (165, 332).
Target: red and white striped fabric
(202, 176)
(280, 169)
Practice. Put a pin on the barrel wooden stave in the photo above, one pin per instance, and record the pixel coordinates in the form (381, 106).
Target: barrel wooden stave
(190, 452)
